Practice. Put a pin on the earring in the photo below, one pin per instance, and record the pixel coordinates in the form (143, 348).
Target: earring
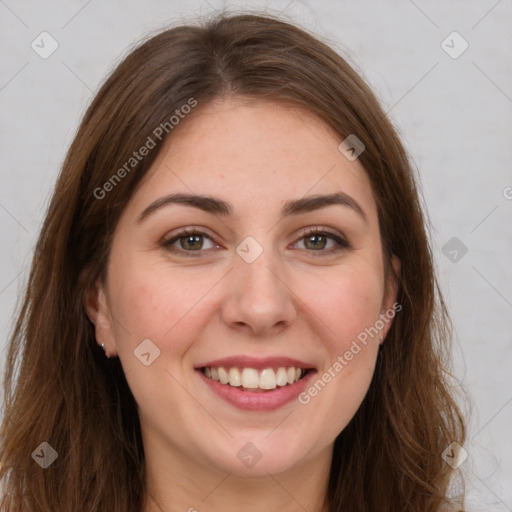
(105, 350)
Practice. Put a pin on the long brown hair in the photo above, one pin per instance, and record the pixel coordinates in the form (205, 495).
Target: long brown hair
(60, 388)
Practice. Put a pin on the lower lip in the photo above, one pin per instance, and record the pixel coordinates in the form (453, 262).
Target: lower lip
(256, 400)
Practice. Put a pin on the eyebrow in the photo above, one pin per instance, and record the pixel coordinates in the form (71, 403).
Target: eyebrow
(218, 206)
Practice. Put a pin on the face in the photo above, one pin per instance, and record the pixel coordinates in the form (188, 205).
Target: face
(213, 325)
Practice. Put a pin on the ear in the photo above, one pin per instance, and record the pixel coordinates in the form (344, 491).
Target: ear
(389, 306)
(98, 311)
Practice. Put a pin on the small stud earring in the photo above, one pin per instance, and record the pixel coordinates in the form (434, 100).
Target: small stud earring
(105, 350)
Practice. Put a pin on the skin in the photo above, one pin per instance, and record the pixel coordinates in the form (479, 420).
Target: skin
(294, 300)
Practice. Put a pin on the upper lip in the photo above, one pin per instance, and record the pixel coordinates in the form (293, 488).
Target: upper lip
(256, 362)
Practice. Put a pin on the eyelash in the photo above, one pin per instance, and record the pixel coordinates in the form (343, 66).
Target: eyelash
(341, 243)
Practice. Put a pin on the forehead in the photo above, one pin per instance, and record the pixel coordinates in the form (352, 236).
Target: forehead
(254, 152)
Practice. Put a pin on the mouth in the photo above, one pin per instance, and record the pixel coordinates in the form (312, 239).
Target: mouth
(254, 380)
(254, 384)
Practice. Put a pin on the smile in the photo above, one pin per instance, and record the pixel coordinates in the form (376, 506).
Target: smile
(252, 379)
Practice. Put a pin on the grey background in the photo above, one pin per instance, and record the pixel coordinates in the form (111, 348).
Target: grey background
(454, 115)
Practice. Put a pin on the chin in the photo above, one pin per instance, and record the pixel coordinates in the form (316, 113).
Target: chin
(260, 456)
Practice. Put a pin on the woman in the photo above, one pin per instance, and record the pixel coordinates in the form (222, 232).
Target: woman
(232, 302)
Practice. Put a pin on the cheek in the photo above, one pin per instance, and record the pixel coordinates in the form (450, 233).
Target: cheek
(153, 301)
(348, 306)
(350, 309)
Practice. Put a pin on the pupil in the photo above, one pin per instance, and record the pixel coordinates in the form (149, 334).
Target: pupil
(315, 239)
(191, 242)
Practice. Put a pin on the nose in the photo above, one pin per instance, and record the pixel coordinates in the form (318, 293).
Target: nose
(258, 299)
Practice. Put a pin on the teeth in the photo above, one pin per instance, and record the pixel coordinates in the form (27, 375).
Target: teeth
(281, 377)
(250, 378)
(223, 376)
(268, 379)
(235, 378)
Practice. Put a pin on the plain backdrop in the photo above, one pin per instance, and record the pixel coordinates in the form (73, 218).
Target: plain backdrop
(453, 110)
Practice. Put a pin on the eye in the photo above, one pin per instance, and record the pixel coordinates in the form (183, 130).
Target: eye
(188, 241)
(316, 240)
